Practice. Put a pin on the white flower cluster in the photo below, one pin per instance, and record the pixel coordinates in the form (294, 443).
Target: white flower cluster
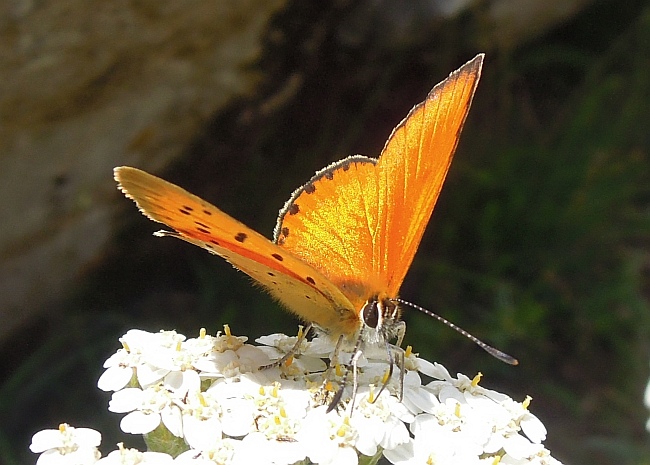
(204, 401)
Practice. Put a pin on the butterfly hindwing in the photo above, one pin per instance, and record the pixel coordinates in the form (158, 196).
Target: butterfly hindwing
(329, 213)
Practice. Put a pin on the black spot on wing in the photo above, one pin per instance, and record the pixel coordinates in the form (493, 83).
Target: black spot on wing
(310, 280)
(241, 237)
(203, 230)
(294, 209)
(310, 188)
(278, 257)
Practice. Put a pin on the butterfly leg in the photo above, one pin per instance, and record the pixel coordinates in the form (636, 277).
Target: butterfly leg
(302, 335)
(334, 361)
(355, 379)
(401, 365)
(401, 331)
(356, 354)
(391, 366)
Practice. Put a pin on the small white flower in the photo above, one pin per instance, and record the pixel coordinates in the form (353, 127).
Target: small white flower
(223, 453)
(230, 357)
(180, 383)
(519, 447)
(438, 438)
(120, 368)
(418, 398)
(328, 438)
(201, 421)
(463, 384)
(124, 456)
(148, 408)
(66, 445)
(376, 424)
(149, 355)
(308, 357)
(234, 397)
(320, 347)
(258, 448)
(532, 427)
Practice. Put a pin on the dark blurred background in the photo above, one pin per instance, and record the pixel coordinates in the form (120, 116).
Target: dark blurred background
(539, 243)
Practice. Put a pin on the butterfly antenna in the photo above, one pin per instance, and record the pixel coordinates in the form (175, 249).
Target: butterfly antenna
(496, 353)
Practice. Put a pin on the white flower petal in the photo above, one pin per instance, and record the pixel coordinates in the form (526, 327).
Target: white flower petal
(427, 368)
(397, 434)
(402, 454)
(126, 400)
(182, 382)
(125, 456)
(533, 428)
(320, 347)
(202, 434)
(345, 456)
(518, 447)
(439, 372)
(46, 439)
(254, 449)
(115, 378)
(87, 437)
(80, 456)
(451, 392)
(173, 420)
(139, 422)
(148, 374)
(238, 417)
(423, 399)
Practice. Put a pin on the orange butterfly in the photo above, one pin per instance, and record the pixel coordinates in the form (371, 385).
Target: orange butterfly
(345, 240)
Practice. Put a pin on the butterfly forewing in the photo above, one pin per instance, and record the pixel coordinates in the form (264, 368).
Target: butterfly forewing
(296, 284)
(365, 219)
(413, 167)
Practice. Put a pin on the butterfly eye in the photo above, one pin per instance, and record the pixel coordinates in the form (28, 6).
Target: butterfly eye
(370, 313)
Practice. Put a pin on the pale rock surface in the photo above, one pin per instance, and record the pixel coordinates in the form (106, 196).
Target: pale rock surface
(86, 85)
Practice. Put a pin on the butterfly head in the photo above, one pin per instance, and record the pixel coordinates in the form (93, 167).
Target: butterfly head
(380, 318)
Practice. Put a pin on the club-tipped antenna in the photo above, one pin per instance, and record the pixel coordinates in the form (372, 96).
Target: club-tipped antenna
(496, 353)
